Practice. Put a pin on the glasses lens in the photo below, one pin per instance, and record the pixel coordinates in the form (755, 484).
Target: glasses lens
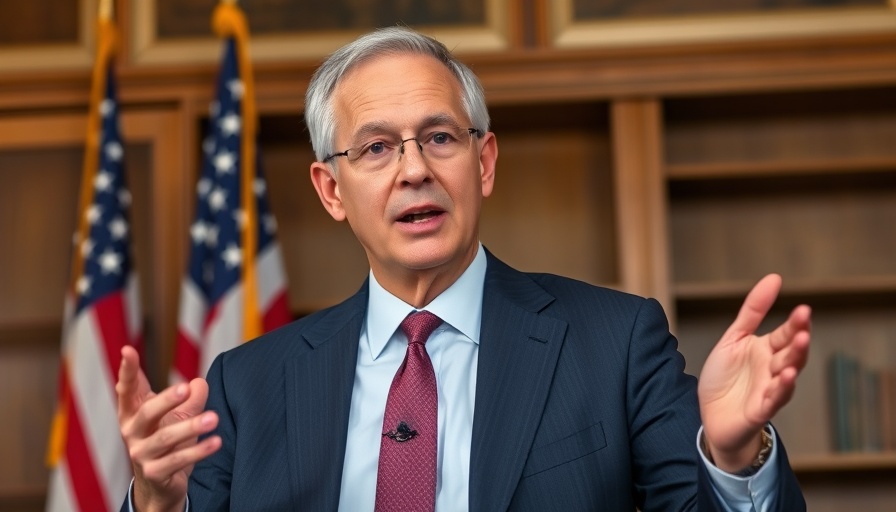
(437, 144)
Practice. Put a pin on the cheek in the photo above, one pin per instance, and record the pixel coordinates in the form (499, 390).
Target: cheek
(364, 200)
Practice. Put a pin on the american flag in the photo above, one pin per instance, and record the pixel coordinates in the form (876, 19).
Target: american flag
(90, 467)
(231, 293)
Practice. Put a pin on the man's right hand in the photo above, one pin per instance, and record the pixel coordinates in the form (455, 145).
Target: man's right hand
(161, 433)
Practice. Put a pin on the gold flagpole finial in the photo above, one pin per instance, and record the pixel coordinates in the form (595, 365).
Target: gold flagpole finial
(105, 9)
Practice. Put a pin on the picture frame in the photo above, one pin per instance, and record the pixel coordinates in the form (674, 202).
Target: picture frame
(148, 47)
(633, 31)
(57, 56)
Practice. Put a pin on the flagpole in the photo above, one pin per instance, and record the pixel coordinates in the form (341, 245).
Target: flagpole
(228, 20)
(105, 43)
(105, 9)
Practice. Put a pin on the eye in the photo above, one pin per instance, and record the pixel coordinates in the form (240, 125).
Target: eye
(441, 138)
(376, 148)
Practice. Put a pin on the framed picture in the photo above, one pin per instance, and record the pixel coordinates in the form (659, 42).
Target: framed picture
(179, 31)
(608, 23)
(50, 34)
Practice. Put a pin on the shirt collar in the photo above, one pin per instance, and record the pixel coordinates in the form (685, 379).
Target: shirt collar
(460, 306)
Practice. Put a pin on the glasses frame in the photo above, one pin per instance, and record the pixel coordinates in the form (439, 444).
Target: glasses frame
(471, 131)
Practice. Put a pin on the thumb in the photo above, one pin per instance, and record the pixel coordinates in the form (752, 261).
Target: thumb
(756, 305)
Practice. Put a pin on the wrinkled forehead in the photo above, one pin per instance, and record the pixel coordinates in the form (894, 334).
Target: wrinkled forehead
(401, 90)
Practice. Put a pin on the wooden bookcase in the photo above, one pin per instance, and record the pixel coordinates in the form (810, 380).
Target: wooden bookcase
(803, 184)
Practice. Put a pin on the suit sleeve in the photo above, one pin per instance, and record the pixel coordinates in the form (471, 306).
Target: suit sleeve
(209, 487)
(663, 415)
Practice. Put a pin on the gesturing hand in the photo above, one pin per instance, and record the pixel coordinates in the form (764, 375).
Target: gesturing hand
(161, 431)
(747, 378)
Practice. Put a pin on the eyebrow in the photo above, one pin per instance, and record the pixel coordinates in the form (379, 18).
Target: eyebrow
(382, 127)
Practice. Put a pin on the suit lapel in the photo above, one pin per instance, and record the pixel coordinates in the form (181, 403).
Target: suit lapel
(517, 356)
(318, 400)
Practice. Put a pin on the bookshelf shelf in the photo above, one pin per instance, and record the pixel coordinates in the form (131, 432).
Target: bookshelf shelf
(794, 167)
(840, 462)
(798, 287)
(33, 333)
(22, 498)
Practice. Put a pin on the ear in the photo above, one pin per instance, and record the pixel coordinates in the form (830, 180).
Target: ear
(488, 157)
(327, 190)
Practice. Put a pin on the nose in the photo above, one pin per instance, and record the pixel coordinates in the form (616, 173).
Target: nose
(413, 169)
(401, 146)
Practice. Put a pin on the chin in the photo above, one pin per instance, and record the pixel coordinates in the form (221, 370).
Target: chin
(428, 257)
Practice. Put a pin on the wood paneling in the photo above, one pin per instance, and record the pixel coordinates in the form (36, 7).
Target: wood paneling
(39, 23)
(178, 32)
(780, 129)
(50, 34)
(36, 225)
(40, 168)
(553, 208)
(190, 18)
(641, 199)
(324, 261)
(610, 9)
(649, 23)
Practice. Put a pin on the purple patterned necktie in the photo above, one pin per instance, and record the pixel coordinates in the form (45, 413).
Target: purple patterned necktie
(406, 476)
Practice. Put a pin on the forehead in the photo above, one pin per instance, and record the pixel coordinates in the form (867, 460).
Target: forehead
(399, 91)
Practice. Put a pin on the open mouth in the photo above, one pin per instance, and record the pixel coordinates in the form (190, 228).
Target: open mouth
(413, 218)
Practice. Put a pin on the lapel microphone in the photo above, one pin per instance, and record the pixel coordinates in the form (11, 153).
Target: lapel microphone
(401, 433)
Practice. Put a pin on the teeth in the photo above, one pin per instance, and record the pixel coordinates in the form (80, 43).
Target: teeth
(417, 217)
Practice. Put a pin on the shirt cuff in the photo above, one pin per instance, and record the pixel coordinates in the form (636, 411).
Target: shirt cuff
(745, 494)
(131, 498)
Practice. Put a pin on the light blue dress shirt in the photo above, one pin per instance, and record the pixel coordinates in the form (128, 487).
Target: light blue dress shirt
(454, 351)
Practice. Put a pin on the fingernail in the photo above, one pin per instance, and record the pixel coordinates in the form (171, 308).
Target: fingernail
(181, 391)
(206, 419)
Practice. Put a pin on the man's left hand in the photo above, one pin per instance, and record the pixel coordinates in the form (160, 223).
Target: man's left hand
(747, 378)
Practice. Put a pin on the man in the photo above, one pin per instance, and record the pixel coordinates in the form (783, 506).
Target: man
(547, 393)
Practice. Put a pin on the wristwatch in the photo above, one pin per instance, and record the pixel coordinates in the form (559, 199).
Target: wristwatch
(757, 463)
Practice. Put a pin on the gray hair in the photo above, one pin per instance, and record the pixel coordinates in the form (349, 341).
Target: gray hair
(319, 113)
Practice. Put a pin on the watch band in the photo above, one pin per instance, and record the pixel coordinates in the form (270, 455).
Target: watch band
(757, 463)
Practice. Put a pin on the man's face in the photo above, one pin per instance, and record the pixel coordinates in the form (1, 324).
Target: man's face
(417, 213)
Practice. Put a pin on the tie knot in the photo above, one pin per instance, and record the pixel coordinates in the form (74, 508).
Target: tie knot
(419, 325)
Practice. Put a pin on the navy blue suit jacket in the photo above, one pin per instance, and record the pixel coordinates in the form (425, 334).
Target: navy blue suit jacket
(581, 404)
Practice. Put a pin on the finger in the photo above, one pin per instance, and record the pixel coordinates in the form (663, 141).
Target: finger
(173, 437)
(779, 392)
(161, 469)
(147, 417)
(195, 404)
(795, 355)
(756, 305)
(800, 320)
(131, 383)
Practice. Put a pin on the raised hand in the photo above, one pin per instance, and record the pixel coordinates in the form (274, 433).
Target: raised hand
(747, 378)
(161, 432)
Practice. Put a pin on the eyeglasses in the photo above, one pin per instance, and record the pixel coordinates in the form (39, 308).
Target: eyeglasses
(439, 144)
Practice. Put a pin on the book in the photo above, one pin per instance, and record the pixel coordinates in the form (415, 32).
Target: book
(845, 405)
(887, 400)
(869, 405)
